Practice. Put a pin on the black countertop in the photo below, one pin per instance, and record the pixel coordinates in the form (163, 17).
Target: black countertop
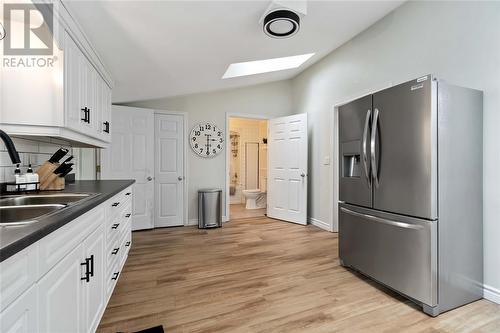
(16, 238)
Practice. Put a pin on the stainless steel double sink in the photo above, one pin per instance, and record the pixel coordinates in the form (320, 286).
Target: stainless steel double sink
(26, 209)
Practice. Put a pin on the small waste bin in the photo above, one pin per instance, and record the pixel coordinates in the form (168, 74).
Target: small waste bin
(209, 208)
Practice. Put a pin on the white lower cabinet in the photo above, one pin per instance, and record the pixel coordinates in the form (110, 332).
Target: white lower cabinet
(93, 295)
(61, 296)
(70, 294)
(22, 314)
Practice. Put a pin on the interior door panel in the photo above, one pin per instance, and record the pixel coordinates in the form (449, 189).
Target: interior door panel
(287, 180)
(131, 156)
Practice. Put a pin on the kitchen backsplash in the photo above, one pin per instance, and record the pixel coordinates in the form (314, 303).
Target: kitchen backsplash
(33, 150)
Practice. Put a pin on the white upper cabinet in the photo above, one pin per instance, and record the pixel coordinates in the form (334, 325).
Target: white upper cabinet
(69, 99)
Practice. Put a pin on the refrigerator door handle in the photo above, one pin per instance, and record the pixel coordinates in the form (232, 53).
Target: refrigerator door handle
(365, 156)
(373, 147)
(381, 220)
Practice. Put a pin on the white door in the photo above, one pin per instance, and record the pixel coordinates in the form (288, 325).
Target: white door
(60, 296)
(169, 170)
(131, 156)
(287, 179)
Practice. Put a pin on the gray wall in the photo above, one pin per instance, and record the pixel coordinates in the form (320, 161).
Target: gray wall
(457, 41)
(273, 100)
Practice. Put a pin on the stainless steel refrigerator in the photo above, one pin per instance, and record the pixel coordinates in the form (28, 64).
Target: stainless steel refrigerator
(410, 191)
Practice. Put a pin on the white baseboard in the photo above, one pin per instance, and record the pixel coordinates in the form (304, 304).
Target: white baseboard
(192, 222)
(491, 294)
(195, 221)
(320, 224)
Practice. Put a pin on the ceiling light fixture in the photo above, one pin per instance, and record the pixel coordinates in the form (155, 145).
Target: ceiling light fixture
(282, 23)
(265, 66)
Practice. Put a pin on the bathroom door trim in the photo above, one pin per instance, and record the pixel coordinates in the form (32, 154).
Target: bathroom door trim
(228, 151)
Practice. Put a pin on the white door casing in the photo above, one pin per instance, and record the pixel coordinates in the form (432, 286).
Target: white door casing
(288, 169)
(131, 156)
(169, 170)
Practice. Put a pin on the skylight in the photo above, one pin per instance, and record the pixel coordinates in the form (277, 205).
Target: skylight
(265, 66)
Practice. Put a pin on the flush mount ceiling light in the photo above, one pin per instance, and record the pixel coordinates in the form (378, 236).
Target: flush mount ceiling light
(264, 66)
(282, 23)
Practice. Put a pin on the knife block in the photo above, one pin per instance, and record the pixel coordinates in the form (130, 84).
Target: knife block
(48, 179)
(57, 184)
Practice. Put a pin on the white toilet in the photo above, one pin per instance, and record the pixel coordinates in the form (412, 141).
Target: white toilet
(255, 199)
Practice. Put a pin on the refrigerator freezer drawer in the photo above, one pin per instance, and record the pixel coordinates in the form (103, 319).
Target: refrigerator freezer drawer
(398, 251)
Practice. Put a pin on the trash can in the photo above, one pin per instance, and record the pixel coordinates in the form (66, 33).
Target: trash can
(209, 208)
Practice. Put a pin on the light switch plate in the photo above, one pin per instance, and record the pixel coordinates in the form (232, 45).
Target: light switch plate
(326, 160)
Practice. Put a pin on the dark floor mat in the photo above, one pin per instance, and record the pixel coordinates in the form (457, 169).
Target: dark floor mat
(156, 329)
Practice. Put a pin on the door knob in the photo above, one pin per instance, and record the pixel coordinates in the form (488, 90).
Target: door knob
(302, 175)
(149, 178)
(180, 178)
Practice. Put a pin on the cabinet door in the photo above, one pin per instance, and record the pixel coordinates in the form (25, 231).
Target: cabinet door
(21, 316)
(60, 295)
(73, 83)
(89, 92)
(94, 288)
(105, 103)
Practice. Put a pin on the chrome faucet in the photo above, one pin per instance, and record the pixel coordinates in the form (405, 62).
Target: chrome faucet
(14, 156)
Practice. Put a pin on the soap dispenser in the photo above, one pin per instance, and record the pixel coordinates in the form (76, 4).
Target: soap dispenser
(20, 178)
(31, 177)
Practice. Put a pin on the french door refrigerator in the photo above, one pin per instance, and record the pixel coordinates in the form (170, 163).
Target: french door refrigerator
(410, 191)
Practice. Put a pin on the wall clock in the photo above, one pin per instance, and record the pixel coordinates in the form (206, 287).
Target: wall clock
(206, 140)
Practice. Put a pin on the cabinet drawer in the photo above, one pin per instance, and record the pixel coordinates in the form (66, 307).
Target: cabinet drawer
(117, 247)
(59, 243)
(116, 226)
(18, 273)
(111, 279)
(115, 204)
(396, 250)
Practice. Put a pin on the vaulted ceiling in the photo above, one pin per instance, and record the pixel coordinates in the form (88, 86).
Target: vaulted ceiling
(158, 49)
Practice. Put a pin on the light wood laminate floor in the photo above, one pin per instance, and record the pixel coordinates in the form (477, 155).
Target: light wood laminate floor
(238, 211)
(262, 275)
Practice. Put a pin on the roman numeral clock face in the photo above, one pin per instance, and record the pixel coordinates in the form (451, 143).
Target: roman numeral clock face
(207, 140)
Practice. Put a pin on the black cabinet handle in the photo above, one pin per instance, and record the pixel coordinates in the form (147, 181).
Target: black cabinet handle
(127, 215)
(115, 250)
(86, 278)
(106, 126)
(115, 226)
(115, 276)
(128, 193)
(91, 271)
(86, 117)
(127, 244)
(115, 204)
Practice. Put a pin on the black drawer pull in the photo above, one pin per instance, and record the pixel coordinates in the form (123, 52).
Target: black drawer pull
(127, 244)
(115, 250)
(127, 215)
(115, 226)
(91, 273)
(128, 193)
(115, 276)
(115, 204)
(86, 278)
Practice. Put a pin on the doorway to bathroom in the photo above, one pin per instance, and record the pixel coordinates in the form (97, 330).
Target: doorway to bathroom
(247, 160)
